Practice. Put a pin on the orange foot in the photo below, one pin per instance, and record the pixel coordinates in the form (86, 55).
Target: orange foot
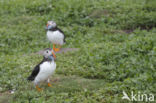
(49, 85)
(38, 89)
(56, 49)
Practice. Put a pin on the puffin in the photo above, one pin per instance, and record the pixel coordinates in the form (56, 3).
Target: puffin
(44, 69)
(55, 35)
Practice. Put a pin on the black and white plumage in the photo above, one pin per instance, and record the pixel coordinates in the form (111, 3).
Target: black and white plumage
(44, 69)
(55, 35)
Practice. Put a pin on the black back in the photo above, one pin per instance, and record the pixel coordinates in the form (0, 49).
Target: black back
(55, 29)
(36, 70)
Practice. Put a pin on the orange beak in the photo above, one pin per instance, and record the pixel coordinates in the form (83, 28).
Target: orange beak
(54, 55)
(47, 25)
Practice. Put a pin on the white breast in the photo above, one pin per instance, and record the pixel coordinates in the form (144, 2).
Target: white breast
(56, 37)
(46, 70)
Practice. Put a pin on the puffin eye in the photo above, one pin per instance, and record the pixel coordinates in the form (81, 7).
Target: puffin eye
(47, 51)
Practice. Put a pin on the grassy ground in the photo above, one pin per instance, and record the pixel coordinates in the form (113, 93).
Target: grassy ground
(116, 41)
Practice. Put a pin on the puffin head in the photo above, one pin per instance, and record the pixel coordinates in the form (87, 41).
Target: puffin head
(49, 54)
(50, 25)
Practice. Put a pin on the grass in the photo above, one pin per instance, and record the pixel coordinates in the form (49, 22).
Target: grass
(116, 41)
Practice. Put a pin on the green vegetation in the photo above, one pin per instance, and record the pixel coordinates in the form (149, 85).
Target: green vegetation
(116, 41)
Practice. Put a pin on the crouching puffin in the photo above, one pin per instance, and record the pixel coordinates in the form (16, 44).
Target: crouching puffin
(44, 69)
(55, 35)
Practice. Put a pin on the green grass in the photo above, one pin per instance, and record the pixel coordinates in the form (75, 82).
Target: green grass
(116, 41)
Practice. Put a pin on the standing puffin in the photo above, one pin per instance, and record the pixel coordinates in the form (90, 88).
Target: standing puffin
(55, 35)
(44, 69)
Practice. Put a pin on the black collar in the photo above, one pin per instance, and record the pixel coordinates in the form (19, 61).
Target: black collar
(47, 59)
(54, 29)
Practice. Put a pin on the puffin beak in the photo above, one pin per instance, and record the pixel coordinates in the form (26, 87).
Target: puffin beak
(54, 55)
(47, 25)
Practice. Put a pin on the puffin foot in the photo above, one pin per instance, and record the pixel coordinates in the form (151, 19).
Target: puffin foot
(49, 85)
(56, 49)
(38, 89)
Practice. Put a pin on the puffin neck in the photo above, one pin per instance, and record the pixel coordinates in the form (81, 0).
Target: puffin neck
(53, 29)
(51, 58)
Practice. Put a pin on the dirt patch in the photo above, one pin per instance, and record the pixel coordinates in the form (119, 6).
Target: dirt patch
(5, 93)
(55, 80)
(98, 13)
(128, 31)
(119, 31)
(5, 96)
(62, 50)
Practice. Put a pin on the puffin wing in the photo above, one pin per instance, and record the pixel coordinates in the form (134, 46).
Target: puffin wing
(35, 72)
(62, 33)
